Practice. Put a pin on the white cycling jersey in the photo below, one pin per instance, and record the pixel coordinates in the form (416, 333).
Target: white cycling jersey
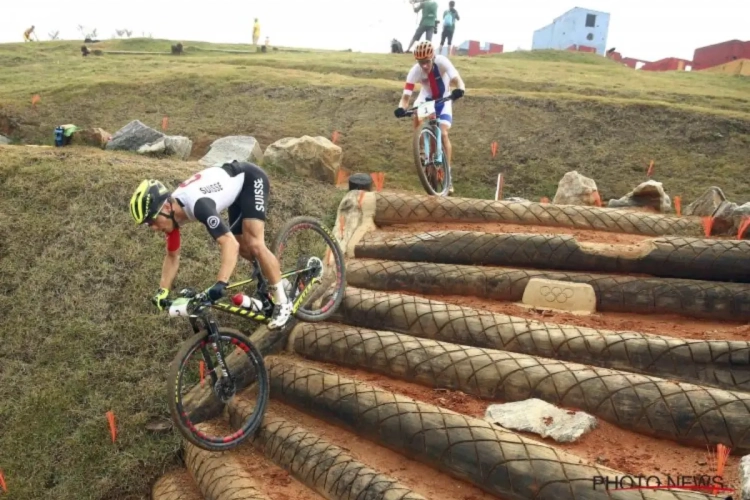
(213, 183)
(436, 83)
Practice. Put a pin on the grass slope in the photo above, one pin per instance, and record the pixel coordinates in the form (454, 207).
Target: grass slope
(550, 111)
(79, 334)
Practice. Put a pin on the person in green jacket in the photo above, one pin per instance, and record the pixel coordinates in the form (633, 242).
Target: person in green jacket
(428, 24)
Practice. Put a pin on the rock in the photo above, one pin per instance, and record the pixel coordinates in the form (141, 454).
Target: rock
(4, 140)
(516, 199)
(171, 145)
(540, 417)
(745, 476)
(647, 194)
(158, 425)
(542, 293)
(707, 203)
(179, 146)
(576, 189)
(132, 136)
(315, 157)
(233, 147)
(95, 137)
(738, 216)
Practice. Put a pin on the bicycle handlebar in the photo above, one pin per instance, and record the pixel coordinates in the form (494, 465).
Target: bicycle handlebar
(200, 298)
(411, 111)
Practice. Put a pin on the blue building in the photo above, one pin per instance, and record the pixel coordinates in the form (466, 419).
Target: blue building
(576, 27)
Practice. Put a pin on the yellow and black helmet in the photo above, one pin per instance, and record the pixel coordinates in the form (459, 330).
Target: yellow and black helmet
(147, 200)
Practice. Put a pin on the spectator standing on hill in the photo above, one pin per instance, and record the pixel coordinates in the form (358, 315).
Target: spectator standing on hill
(27, 34)
(429, 21)
(256, 32)
(450, 17)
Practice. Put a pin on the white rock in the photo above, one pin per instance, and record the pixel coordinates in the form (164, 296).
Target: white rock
(540, 417)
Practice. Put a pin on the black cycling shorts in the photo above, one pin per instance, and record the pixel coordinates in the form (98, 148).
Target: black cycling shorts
(252, 202)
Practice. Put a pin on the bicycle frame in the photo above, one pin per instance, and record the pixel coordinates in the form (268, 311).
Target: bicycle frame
(432, 122)
(201, 317)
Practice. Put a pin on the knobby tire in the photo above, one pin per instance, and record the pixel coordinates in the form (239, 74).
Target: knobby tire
(420, 168)
(174, 381)
(315, 225)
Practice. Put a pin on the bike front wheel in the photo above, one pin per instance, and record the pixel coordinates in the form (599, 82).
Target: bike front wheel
(198, 389)
(435, 176)
(312, 260)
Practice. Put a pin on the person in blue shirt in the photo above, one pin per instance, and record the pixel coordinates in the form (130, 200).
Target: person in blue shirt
(450, 17)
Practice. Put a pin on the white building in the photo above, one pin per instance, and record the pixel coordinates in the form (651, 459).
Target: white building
(578, 26)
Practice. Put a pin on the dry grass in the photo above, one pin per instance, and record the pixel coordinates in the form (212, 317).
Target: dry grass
(550, 112)
(80, 336)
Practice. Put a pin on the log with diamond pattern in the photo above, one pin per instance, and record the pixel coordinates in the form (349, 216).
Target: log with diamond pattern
(685, 413)
(498, 461)
(632, 294)
(668, 257)
(397, 208)
(716, 363)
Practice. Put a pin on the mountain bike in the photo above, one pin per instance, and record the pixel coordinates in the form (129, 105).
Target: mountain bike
(430, 157)
(315, 295)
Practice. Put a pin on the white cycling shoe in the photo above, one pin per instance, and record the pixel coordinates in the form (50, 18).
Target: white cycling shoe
(281, 314)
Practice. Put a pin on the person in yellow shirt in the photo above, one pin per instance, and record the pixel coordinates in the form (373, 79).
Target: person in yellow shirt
(27, 34)
(256, 32)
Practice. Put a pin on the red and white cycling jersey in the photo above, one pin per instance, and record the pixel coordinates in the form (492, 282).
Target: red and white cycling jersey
(436, 83)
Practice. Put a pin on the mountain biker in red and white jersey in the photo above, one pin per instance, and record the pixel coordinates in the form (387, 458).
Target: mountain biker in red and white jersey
(436, 74)
(240, 187)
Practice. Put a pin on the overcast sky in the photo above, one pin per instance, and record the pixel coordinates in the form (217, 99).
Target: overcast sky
(646, 29)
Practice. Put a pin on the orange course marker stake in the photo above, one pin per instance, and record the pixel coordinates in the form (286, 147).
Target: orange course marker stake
(743, 227)
(544, 199)
(378, 178)
(35, 99)
(335, 137)
(112, 427)
(493, 148)
(650, 170)
(2, 482)
(165, 123)
(597, 199)
(708, 225)
(678, 205)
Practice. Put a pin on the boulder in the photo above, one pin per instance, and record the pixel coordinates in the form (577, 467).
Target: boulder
(315, 157)
(647, 194)
(576, 189)
(540, 417)
(95, 137)
(132, 136)
(231, 148)
(706, 204)
(170, 145)
(4, 140)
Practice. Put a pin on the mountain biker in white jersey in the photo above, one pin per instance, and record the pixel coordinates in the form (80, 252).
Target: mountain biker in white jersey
(240, 187)
(436, 74)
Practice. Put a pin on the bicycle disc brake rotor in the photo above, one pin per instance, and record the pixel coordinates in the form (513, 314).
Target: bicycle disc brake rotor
(317, 268)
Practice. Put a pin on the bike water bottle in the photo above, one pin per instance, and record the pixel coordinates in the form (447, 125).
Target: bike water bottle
(250, 303)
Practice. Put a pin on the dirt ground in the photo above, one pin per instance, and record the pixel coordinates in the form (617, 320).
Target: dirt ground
(607, 444)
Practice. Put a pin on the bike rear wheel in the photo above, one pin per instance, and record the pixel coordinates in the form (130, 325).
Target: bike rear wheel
(190, 407)
(320, 290)
(435, 179)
